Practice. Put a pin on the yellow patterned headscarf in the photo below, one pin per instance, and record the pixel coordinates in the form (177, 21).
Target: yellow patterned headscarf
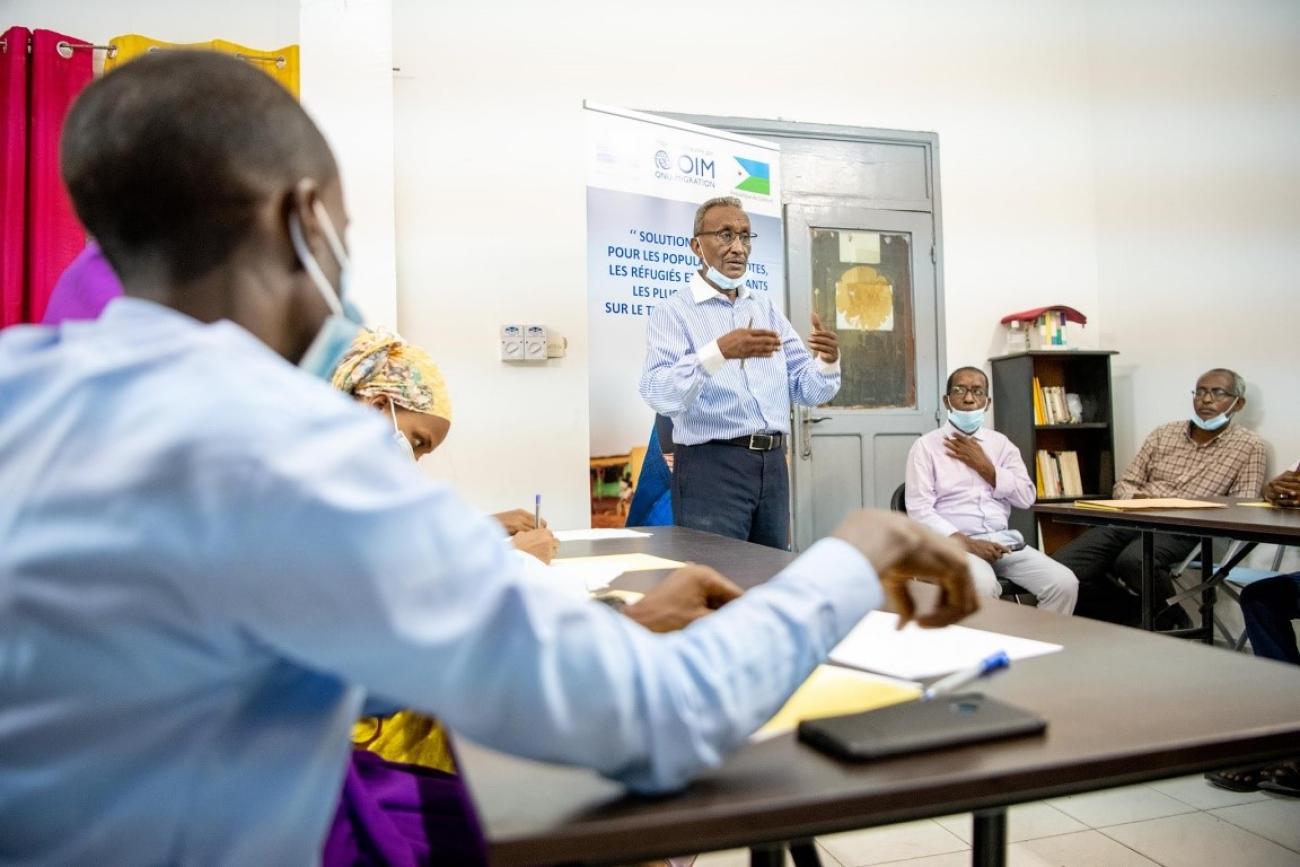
(379, 363)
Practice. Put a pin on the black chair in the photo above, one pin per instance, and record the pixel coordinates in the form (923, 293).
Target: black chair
(1010, 589)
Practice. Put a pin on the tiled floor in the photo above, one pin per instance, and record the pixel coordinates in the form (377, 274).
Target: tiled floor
(1175, 823)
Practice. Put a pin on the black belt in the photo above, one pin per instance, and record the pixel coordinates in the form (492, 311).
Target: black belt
(760, 442)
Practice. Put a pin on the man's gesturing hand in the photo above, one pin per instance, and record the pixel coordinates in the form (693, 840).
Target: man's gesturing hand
(749, 343)
(900, 549)
(823, 342)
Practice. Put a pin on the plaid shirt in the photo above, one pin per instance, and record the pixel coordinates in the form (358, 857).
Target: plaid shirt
(1171, 464)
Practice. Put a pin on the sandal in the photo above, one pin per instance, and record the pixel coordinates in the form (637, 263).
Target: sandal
(1283, 779)
(1240, 779)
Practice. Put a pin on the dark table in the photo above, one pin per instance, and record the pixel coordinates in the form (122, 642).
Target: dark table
(1123, 706)
(1249, 524)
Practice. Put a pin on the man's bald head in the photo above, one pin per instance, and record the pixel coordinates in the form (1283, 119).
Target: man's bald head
(168, 158)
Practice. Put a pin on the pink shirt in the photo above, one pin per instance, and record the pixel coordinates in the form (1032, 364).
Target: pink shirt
(949, 497)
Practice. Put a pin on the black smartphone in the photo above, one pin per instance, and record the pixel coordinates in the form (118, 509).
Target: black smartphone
(919, 726)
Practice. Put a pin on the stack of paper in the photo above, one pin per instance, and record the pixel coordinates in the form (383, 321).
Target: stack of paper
(598, 533)
(877, 644)
(598, 572)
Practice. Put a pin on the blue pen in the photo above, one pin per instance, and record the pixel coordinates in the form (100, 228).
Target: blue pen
(958, 679)
(537, 510)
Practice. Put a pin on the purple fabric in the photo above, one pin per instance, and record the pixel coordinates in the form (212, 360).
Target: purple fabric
(83, 289)
(402, 815)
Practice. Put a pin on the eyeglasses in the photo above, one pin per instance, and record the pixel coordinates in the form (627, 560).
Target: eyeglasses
(1216, 393)
(726, 237)
(961, 391)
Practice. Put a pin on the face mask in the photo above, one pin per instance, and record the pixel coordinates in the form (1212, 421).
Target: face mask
(1213, 423)
(398, 437)
(966, 420)
(722, 281)
(338, 330)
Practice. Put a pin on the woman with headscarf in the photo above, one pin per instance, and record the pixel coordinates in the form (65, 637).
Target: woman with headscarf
(383, 370)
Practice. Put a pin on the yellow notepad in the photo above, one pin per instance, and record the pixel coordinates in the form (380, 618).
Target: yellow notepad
(832, 691)
(1141, 505)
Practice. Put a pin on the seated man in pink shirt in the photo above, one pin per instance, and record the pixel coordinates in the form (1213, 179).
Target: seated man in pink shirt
(963, 480)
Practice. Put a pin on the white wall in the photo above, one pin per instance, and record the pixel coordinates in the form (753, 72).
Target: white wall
(1198, 206)
(347, 87)
(255, 23)
(490, 200)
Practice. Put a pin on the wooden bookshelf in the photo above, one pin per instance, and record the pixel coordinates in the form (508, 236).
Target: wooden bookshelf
(1082, 372)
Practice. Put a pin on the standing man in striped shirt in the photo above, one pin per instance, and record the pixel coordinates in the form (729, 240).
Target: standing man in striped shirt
(724, 364)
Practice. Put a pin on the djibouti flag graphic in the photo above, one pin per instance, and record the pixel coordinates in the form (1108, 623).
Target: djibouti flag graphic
(755, 177)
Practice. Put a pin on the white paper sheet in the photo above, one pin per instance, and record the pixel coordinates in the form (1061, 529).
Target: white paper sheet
(876, 644)
(590, 576)
(597, 534)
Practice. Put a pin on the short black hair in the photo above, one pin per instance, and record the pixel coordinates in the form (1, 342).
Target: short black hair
(167, 158)
(947, 388)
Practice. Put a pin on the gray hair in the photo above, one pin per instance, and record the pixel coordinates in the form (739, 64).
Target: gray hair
(719, 202)
(1238, 381)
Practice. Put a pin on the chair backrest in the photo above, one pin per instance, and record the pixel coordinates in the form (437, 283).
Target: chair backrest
(898, 502)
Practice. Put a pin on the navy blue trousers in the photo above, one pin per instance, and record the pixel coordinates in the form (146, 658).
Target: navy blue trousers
(1269, 606)
(733, 491)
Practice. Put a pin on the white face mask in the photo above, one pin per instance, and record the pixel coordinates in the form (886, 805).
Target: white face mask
(722, 281)
(1218, 421)
(338, 330)
(398, 437)
(966, 420)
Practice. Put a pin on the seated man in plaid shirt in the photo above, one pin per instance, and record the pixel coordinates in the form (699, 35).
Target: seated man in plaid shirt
(1206, 455)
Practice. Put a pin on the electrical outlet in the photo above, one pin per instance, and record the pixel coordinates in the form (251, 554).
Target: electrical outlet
(512, 343)
(534, 343)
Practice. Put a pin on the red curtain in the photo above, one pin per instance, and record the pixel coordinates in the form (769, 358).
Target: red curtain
(39, 232)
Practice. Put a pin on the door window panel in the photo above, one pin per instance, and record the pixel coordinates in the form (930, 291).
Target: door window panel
(862, 287)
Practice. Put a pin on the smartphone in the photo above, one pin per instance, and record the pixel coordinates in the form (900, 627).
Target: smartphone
(919, 726)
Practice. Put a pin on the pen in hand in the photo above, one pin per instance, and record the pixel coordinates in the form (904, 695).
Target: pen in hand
(958, 679)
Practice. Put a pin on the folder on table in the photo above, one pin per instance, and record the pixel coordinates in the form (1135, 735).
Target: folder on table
(1139, 505)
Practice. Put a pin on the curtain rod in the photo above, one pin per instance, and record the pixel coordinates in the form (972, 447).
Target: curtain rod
(64, 48)
(279, 60)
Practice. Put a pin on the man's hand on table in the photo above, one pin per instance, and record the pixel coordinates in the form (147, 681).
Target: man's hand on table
(685, 596)
(1284, 490)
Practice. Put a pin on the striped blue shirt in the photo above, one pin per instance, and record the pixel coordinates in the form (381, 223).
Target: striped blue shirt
(709, 397)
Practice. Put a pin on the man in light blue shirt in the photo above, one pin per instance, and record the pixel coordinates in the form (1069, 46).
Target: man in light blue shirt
(724, 364)
(208, 558)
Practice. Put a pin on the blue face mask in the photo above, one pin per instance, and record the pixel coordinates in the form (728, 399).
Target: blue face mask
(341, 326)
(722, 281)
(966, 420)
(1215, 423)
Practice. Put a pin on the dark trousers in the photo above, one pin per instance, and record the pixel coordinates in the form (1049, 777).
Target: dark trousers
(1269, 606)
(733, 491)
(1103, 551)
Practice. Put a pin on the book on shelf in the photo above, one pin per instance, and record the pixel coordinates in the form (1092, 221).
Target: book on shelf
(1058, 474)
(1051, 405)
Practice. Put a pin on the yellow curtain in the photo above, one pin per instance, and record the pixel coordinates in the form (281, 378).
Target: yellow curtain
(280, 63)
